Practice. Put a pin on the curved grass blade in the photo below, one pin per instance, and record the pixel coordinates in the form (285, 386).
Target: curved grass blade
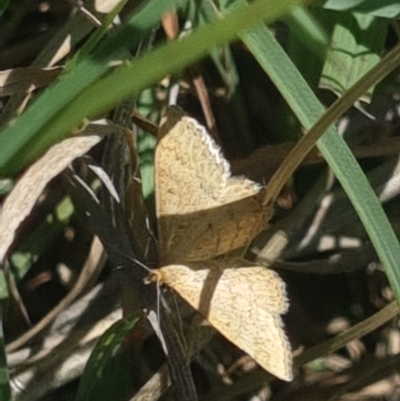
(32, 133)
(25, 139)
(308, 110)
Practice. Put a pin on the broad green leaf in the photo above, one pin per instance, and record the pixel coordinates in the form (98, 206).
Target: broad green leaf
(356, 45)
(382, 8)
(107, 376)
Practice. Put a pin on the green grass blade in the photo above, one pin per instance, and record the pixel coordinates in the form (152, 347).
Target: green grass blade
(337, 154)
(165, 60)
(99, 33)
(23, 140)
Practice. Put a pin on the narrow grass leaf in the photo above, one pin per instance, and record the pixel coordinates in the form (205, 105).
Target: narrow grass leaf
(25, 139)
(307, 108)
(22, 142)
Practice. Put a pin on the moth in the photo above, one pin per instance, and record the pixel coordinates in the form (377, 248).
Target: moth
(204, 212)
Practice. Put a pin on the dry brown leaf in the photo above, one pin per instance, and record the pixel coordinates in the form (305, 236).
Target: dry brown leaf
(18, 79)
(24, 195)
